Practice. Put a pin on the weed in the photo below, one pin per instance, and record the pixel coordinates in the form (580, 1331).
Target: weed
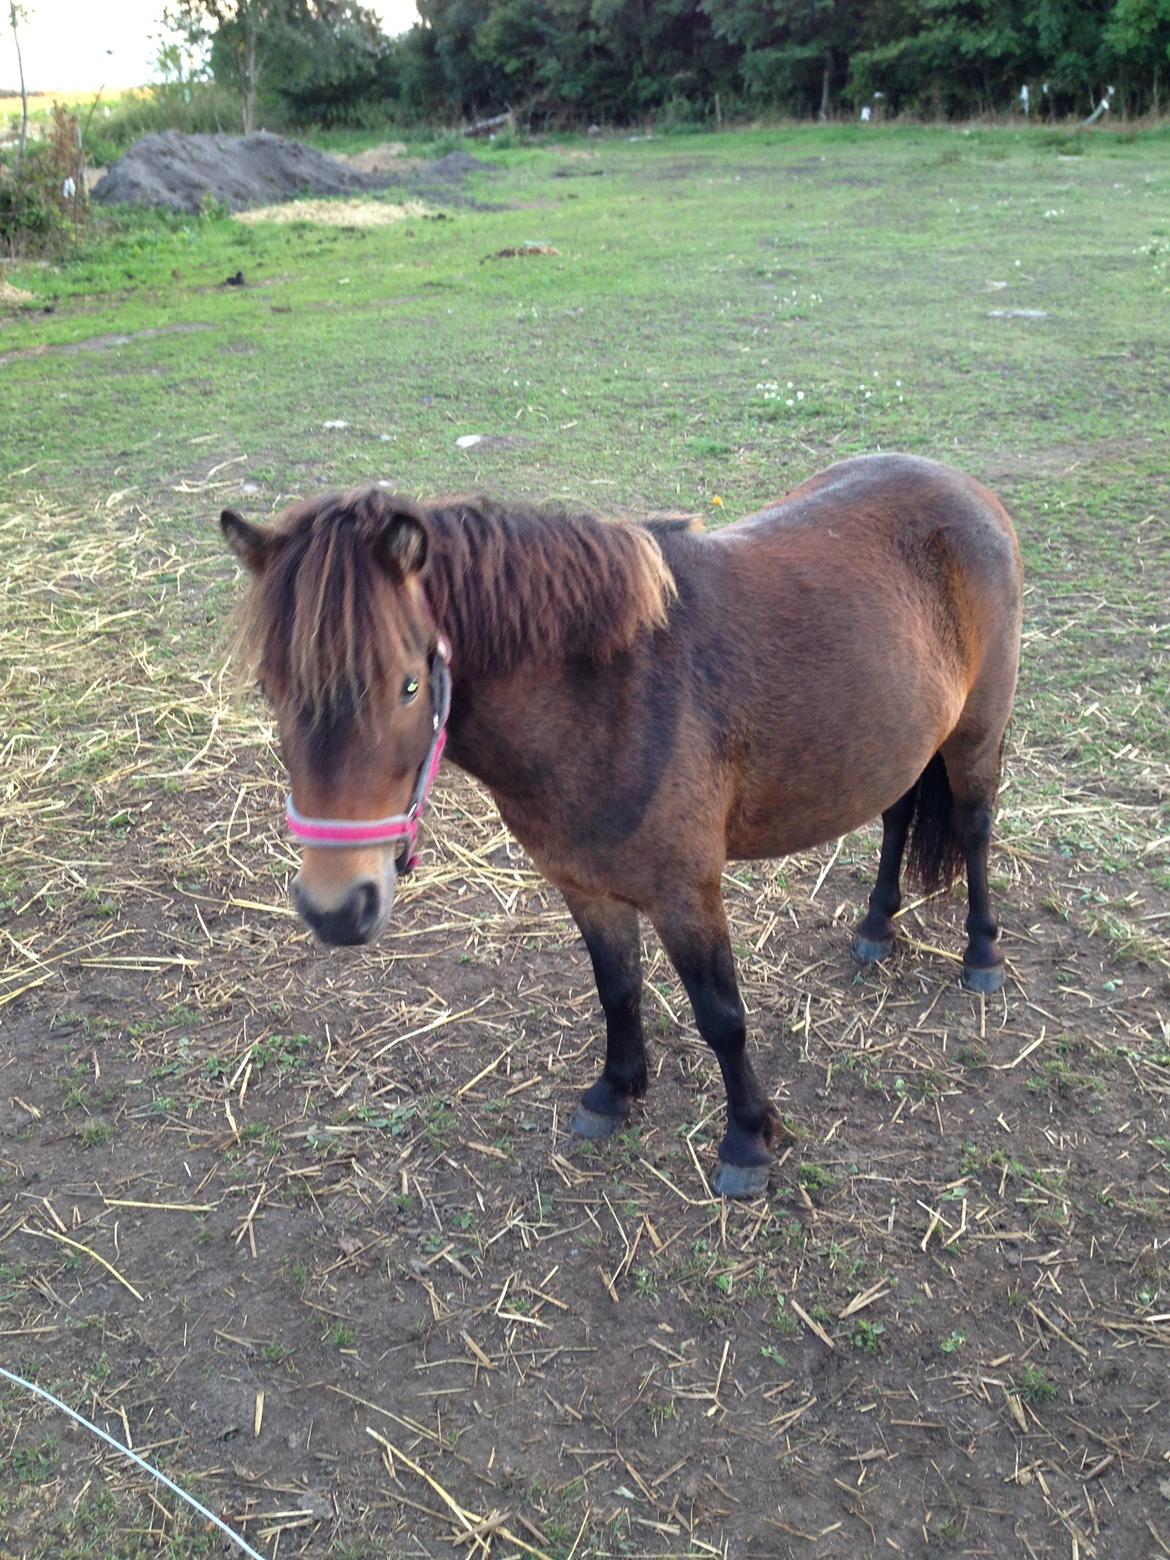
(868, 1336)
(32, 1464)
(815, 1178)
(783, 1320)
(283, 1052)
(1035, 1385)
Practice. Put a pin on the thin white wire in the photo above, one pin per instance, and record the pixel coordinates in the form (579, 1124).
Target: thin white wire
(31, 1386)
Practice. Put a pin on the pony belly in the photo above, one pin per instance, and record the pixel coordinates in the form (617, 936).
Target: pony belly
(799, 812)
(770, 838)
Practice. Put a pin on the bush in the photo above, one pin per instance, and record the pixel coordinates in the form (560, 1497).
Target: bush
(43, 203)
(193, 106)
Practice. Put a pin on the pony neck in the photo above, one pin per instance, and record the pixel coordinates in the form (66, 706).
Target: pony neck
(517, 586)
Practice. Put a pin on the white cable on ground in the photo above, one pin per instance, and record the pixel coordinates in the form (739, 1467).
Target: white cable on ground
(31, 1386)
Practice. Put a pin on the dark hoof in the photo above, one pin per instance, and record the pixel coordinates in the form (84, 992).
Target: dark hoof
(593, 1125)
(867, 950)
(740, 1180)
(986, 981)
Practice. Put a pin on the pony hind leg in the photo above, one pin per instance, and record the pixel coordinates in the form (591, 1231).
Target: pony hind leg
(612, 935)
(973, 769)
(983, 957)
(875, 935)
(695, 935)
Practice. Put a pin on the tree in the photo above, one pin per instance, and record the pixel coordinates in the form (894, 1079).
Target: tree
(470, 82)
(234, 28)
(292, 51)
(16, 15)
(795, 52)
(1137, 37)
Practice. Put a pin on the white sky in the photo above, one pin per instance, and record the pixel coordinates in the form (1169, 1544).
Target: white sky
(80, 45)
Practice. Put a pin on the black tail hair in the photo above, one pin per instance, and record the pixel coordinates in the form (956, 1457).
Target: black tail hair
(934, 855)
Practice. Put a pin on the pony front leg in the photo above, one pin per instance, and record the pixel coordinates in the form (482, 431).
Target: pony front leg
(696, 938)
(611, 934)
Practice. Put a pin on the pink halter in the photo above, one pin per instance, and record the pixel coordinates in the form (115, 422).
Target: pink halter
(351, 833)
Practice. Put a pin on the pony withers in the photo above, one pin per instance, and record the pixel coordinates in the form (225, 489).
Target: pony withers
(646, 703)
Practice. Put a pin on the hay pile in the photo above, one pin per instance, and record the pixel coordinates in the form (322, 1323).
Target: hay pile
(11, 296)
(338, 213)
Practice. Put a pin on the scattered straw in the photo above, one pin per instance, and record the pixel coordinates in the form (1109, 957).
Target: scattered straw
(11, 296)
(475, 1526)
(93, 1256)
(985, 1175)
(338, 213)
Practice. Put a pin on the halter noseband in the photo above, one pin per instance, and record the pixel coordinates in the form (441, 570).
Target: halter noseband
(352, 833)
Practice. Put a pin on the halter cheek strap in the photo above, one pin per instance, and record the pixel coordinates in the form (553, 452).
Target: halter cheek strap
(352, 833)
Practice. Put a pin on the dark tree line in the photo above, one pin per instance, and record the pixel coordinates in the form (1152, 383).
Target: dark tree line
(616, 61)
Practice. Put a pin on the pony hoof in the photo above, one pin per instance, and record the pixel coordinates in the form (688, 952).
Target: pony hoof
(985, 981)
(593, 1125)
(869, 950)
(740, 1180)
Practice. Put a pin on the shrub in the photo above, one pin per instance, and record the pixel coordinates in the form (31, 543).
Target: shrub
(43, 203)
(196, 107)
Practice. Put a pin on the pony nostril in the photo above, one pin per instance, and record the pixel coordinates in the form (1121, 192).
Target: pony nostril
(364, 908)
(353, 921)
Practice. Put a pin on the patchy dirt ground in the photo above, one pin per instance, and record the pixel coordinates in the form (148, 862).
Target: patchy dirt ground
(306, 1227)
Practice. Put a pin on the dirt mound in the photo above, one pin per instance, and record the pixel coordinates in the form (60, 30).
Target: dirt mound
(183, 171)
(453, 167)
(390, 157)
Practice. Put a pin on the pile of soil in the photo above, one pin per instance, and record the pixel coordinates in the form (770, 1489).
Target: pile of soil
(390, 157)
(182, 172)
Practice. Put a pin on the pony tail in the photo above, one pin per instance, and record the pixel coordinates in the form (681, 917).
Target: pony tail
(934, 855)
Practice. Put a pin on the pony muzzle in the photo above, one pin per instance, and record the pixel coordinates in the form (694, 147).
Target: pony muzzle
(346, 908)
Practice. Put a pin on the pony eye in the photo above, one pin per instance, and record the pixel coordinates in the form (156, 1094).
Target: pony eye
(409, 689)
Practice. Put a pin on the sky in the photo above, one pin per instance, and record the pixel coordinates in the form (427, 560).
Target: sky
(81, 45)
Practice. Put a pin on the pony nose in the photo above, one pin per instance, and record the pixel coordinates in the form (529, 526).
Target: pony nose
(353, 921)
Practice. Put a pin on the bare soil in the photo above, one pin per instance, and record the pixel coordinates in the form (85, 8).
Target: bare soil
(374, 1275)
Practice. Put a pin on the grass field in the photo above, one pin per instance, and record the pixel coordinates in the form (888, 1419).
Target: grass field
(307, 1227)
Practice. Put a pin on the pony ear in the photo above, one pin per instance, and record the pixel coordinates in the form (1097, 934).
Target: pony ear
(401, 547)
(250, 543)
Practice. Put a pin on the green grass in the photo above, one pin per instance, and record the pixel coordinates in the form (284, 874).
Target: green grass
(860, 267)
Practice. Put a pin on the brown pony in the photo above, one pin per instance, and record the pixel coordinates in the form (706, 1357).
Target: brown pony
(646, 703)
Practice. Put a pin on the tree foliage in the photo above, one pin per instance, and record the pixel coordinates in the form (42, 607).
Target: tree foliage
(304, 60)
(621, 60)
